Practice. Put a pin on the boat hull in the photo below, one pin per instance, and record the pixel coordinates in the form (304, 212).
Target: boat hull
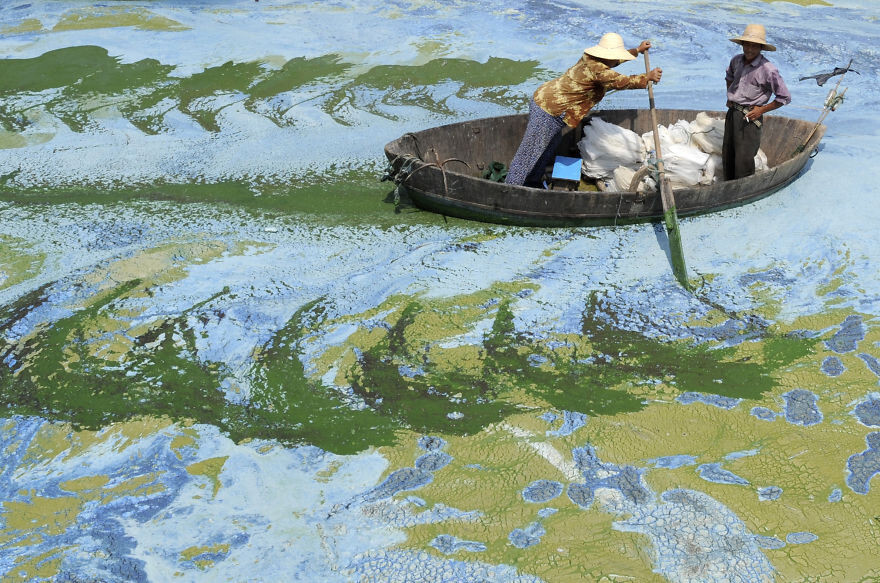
(440, 169)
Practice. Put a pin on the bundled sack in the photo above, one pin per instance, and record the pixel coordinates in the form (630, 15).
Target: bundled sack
(761, 161)
(707, 133)
(679, 133)
(715, 164)
(687, 166)
(704, 133)
(684, 167)
(691, 153)
(606, 146)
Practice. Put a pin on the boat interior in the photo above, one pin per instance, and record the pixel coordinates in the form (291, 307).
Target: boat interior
(470, 147)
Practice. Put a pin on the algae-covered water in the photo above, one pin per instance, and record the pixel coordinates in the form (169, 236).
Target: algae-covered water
(226, 354)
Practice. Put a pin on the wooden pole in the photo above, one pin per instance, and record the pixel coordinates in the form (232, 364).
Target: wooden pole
(670, 216)
(826, 109)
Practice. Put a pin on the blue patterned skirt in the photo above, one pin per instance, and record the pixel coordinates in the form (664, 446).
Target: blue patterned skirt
(537, 148)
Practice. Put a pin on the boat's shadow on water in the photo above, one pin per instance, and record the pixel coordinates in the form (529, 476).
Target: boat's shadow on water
(663, 240)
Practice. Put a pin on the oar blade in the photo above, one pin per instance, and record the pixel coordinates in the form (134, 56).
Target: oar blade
(673, 233)
(670, 216)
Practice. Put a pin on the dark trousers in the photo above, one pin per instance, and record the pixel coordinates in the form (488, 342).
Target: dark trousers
(741, 142)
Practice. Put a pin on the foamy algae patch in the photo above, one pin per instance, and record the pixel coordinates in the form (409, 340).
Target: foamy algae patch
(19, 261)
(112, 17)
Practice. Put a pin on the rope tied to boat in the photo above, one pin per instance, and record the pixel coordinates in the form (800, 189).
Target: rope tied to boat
(652, 163)
(834, 99)
(619, 204)
(411, 165)
(401, 174)
(440, 164)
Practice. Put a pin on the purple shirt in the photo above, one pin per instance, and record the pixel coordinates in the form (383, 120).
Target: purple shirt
(753, 83)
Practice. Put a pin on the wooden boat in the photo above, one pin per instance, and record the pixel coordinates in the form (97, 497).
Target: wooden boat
(440, 170)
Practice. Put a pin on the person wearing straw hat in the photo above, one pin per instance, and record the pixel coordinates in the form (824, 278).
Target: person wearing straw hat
(751, 81)
(567, 99)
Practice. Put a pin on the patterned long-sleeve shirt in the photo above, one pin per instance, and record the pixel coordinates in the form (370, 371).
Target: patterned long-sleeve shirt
(580, 88)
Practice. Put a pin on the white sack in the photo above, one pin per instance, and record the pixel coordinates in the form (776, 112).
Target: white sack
(707, 133)
(680, 132)
(623, 177)
(691, 153)
(714, 171)
(648, 140)
(685, 166)
(714, 168)
(606, 146)
(675, 134)
(761, 161)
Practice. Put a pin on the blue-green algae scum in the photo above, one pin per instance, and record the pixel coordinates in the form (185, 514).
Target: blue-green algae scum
(227, 355)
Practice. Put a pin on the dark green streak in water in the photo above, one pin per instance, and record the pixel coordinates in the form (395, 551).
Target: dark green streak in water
(293, 75)
(700, 368)
(55, 69)
(53, 375)
(355, 197)
(423, 401)
(566, 385)
(286, 406)
(139, 89)
(227, 78)
(413, 85)
(595, 383)
(79, 72)
(59, 379)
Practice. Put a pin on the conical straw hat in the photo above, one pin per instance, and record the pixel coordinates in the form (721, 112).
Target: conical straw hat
(754, 33)
(610, 47)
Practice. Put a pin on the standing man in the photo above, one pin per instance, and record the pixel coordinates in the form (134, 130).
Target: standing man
(566, 100)
(751, 81)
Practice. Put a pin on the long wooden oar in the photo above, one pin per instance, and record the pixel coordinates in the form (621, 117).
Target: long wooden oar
(670, 216)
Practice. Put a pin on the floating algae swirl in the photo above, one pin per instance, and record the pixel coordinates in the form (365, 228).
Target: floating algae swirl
(430, 399)
(67, 76)
(144, 91)
(401, 380)
(54, 374)
(73, 83)
(595, 373)
(416, 85)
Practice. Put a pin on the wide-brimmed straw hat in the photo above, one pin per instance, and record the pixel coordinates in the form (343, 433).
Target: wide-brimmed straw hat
(610, 47)
(754, 33)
